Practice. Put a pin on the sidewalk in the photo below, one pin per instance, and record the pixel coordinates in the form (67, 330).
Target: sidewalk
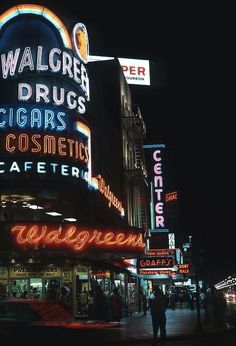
(180, 323)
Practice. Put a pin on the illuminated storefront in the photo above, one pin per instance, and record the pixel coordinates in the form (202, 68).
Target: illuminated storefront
(65, 220)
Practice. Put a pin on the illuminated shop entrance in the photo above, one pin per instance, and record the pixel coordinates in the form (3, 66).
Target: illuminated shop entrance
(102, 279)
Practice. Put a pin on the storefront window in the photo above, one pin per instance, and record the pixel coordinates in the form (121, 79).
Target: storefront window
(19, 288)
(34, 281)
(3, 282)
(119, 282)
(132, 295)
(36, 288)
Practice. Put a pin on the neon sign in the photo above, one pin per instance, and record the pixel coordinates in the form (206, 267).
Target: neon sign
(32, 118)
(47, 85)
(42, 168)
(100, 183)
(23, 60)
(47, 144)
(85, 130)
(76, 238)
(81, 43)
(38, 58)
(158, 188)
(41, 11)
(184, 268)
(50, 77)
(171, 196)
(156, 262)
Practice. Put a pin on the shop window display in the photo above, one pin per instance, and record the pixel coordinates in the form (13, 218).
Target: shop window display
(131, 297)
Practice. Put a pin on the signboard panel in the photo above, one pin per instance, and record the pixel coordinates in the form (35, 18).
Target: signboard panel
(161, 252)
(155, 262)
(184, 268)
(136, 71)
(156, 272)
(155, 165)
(42, 271)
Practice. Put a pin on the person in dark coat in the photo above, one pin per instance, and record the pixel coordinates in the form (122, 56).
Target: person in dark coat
(172, 299)
(191, 300)
(158, 309)
(99, 304)
(91, 305)
(116, 306)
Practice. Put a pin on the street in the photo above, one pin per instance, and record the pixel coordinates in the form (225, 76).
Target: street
(100, 339)
(216, 341)
(10, 336)
(228, 339)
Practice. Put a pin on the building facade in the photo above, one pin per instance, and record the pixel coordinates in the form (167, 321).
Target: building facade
(71, 165)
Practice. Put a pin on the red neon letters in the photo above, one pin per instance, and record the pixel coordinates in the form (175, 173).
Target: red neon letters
(76, 238)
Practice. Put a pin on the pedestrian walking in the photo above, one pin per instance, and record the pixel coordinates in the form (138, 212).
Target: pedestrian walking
(158, 308)
(202, 297)
(209, 312)
(181, 298)
(172, 299)
(191, 300)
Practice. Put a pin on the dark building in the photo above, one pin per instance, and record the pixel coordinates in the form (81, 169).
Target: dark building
(117, 121)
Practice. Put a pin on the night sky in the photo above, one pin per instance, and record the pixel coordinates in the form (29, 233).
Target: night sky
(189, 106)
